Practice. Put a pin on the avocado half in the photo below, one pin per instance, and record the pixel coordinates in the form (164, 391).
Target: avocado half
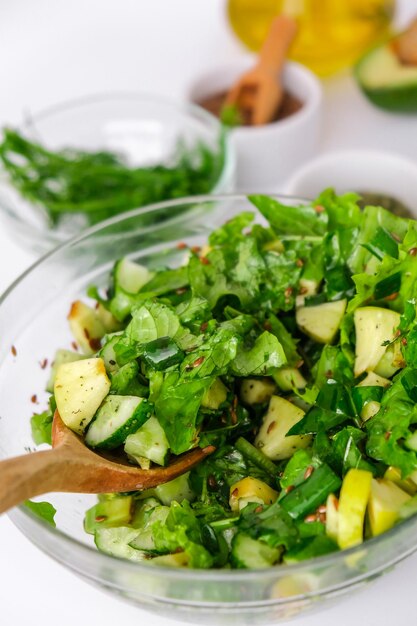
(387, 82)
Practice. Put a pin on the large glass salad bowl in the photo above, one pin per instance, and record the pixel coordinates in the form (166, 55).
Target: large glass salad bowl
(33, 325)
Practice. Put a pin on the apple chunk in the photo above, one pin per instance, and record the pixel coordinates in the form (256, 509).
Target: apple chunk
(80, 387)
(374, 328)
(321, 322)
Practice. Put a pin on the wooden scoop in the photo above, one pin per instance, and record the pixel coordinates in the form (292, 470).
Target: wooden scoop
(258, 93)
(72, 467)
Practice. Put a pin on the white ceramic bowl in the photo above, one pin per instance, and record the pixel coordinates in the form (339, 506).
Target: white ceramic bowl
(358, 170)
(267, 155)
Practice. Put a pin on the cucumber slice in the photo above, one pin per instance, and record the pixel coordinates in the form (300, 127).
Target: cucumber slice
(109, 513)
(118, 417)
(149, 442)
(145, 540)
(252, 554)
(108, 354)
(61, 356)
(115, 541)
(388, 83)
(289, 378)
(130, 276)
(175, 490)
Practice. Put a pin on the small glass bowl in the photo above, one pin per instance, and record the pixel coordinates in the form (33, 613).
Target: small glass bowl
(145, 129)
(33, 320)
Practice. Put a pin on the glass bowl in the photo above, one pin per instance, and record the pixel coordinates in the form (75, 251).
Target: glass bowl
(146, 130)
(33, 320)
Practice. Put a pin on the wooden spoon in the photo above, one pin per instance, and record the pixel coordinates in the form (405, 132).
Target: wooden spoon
(72, 467)
(258, 93)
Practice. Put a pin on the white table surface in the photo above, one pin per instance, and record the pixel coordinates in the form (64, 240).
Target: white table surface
(51, 51)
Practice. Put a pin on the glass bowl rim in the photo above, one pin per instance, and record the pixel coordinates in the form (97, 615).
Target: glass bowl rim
(212, 575)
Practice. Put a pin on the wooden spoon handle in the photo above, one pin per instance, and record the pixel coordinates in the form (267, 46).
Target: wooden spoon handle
(280, 36)
(30, 475)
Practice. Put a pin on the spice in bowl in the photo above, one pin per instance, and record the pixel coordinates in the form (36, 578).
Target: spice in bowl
(230, 116)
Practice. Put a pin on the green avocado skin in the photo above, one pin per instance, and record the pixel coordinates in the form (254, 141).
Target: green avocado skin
(398, 99)
(401, 99)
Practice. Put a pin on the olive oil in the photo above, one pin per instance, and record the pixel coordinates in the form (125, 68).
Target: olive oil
(332, 33)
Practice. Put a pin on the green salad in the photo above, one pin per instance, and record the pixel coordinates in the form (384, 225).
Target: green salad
(291, 347)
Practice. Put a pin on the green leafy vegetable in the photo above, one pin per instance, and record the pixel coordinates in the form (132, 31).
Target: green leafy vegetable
(43, 510)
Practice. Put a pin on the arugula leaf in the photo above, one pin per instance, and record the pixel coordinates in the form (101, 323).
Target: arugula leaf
(272, 524)
(177, 407)
(295, 470)
(41, 425)
(342, 211)
(234, 270)
(374, 218)
(391, 425)
(150, 321)
(232, 230)
(301, 220)
(43, 510)
(266, 355)
(287, 341)
(182, 531)
(125, 381)
(281, 281)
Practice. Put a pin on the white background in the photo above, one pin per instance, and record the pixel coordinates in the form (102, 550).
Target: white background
(53, 50)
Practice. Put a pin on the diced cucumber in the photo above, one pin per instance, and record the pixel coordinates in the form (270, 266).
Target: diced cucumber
(144, 540)
(289, 378)
(391, 361)
(214, 396)
(61, 356)
(115, 541)
(272, 437)
(175, 490)
(80, 387)
(162, 353)
(126, 381)
(130, 276)
(108, 354)
(252, 554)
(118, 417)
(86, 327)
(150, 442)
(374, 327)
(109, 513)
(143, 510)
(411, 442)
(321, 322)
(110, 323)
(257, 390)
(370, 409)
